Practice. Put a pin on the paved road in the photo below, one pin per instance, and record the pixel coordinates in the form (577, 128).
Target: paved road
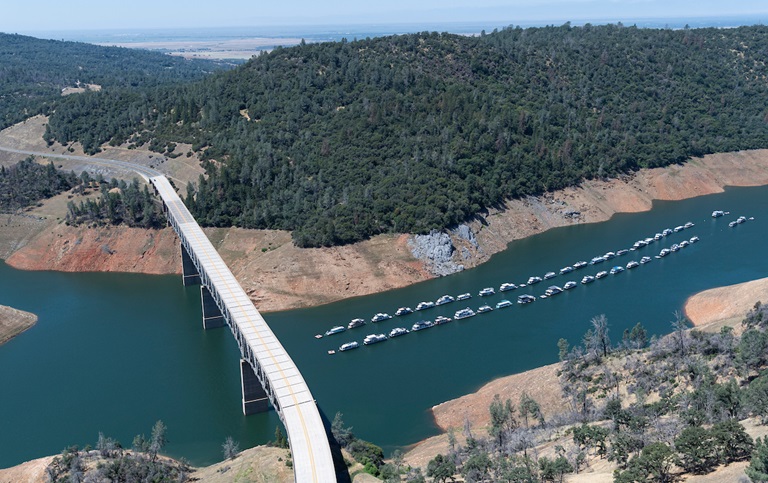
(143, 171)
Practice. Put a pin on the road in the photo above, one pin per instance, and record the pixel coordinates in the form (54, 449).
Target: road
(143, 171)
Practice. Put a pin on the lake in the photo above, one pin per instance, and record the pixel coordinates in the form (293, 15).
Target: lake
(116, 352)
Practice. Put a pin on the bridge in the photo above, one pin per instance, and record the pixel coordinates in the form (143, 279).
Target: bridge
(268, 374)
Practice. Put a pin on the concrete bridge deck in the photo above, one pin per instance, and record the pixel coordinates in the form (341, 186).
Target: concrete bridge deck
(262, 354)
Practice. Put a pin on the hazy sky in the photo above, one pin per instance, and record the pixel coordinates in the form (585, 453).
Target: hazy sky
(35, 15)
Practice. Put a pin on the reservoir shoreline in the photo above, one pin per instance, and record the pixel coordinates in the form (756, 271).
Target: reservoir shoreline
(279, 276)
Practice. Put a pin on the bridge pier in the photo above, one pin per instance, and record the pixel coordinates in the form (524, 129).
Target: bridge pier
(189, 273)
(212, 317)
(255, 398)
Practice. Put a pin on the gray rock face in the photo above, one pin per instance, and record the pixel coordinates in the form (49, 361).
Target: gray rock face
(436, 250)
(465, 233)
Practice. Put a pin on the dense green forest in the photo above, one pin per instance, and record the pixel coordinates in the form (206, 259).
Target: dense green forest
(120, 203)
(27, 182)
(34, 71)
(340, 141)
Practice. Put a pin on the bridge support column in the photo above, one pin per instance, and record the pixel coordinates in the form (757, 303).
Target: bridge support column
(212, 317)
(255, 399)
(189, 273)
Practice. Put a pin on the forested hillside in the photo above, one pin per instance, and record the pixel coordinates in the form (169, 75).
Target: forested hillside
(34, 71)
(340, 141)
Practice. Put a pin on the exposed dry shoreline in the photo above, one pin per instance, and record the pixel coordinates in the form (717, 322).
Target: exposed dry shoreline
(13, 322)
(279, 276)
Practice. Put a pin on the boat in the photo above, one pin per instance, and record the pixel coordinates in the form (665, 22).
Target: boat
(679, 228)
(621, 252)
(380, 316)
(374, 338)
(553, 290)
(503, 303)
(404, 311)
(587, 279)
(569, 285)
(645, 259)
(549, 275)
(318, 336)
(741, 219)
(507, 286)
(732, 224)
(525, 299)
(483, 309)
(649, 240)
(601, 274)
(565, 270)
(421, 325)
(442, 319)
(487, 291)
(397, 331)
(664, 252)
(717, 213)
(667, 232)
(464, 313)
(331, 352)
(356, 323)
(633, 264)
(597, 260)
(445, 299)
(658, 236)
(688, 225)
(675, 247)
(751, 218)
(335, 330)
(694, 239)
(425, 305)
(580, 264)
(609, 255)
(349, 346)
(684, 243)
(532, 280)
(464, 296)
(617, 269)
(639, 244)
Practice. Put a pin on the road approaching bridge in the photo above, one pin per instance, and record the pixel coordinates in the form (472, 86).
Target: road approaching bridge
(267, 371)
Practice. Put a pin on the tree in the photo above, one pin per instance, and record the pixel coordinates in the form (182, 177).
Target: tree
(697, 450)
(637, 338)
(441, 468)
(733, 442)
(680, 327)
(758, 465)
(562, 346)
(596, 339)
(230, 448)
(341, 433)
(756, 397)
(502, 419)
(653, 465)
(529, 408)
(753, 349)
(555, 469)
(158, 440)
(280, 440)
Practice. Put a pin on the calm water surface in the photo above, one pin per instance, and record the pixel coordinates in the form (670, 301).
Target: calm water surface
(114, 353)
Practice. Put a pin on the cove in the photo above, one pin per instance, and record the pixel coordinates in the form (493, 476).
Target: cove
(116, 352)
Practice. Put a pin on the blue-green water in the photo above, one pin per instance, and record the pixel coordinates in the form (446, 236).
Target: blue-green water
(115, 352)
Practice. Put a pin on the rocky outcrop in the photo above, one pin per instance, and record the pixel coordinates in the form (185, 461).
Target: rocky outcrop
(436, 251)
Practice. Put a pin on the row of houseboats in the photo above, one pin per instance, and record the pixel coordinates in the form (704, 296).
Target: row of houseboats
(522, 299)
